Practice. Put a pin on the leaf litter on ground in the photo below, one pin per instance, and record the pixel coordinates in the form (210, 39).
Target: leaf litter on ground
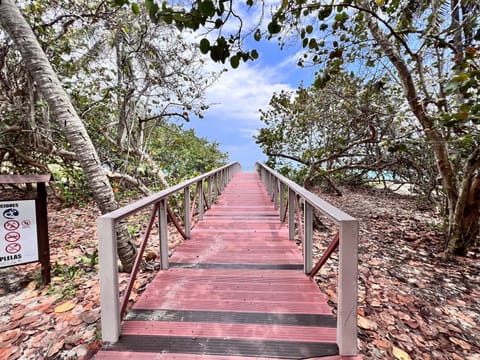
(411, 304)
(62, 320)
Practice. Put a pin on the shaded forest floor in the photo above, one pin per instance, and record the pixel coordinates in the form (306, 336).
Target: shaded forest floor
(411, 304)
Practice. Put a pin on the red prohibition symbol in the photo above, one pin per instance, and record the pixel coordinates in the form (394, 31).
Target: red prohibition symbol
(12, 236)
(13, 248)
(11, 225)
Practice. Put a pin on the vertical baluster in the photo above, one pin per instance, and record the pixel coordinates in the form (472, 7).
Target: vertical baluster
(201, 208)
(163, 233)
(186, 212)
(347, 288)
(109, 301)
(308, 238)
(291, 214)
(282, 200)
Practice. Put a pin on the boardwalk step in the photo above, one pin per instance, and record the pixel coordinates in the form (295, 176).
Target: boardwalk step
(319, 320)
(235, 290)
(217, 346)
(239, 266)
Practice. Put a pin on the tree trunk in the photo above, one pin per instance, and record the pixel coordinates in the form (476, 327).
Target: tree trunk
(463, 235)
(65, 116)
(463, 215)
(464, 230)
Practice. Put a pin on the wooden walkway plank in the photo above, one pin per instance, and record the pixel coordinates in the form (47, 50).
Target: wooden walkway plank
(235, 290)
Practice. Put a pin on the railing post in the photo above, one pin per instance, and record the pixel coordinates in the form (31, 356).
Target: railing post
(347, 288)
(109, 301)
(201, 208)
(276, 193)
(291, 214)
(282, 200)
(163, 233)
(270, 186)
(308, 238)
(209, 192)
(186, 212)
(219, 183)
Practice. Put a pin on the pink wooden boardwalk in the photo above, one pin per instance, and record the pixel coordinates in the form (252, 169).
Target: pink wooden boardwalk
(235, 290)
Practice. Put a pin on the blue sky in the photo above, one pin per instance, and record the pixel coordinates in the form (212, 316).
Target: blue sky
(233, 117)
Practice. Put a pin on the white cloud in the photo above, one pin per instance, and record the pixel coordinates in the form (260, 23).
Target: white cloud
(235, 99)
(240, 93)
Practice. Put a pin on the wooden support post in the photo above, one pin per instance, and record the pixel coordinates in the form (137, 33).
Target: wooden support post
(217, 185)
(163, 233)
(109, 301)
(201, 208)
(186, 212)
(291, 214)
(347, 289)
(308, 238)
(42, 234)
(270, 186)
(209, 192)
(282, 201)
(276, 193)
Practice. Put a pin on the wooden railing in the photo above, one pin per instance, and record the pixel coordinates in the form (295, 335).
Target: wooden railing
(112, 311)
(288, 196)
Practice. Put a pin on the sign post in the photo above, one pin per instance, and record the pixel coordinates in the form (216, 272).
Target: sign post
(24, 226)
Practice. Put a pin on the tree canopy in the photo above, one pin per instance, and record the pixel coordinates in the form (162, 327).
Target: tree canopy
(429, 48)
(128, 78)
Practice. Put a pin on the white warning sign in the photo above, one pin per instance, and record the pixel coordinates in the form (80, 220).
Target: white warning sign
(18, 232)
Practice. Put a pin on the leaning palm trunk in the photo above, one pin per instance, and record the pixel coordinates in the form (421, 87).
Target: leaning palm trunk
(66, 117)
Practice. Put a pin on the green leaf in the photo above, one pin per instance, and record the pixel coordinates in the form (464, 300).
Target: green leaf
(135, 8)
(273, 27)
(120, 2)
(312, 44)
(341, 17)
(218, 23)
(324, 13)
(309, 29)
(257, 35)
(207, 8)
(254, 54)
(235, 61)
(461, 77)
(204, 46)
(462, 115)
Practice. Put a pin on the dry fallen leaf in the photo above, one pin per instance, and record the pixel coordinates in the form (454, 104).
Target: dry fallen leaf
(55, 347)
(66, 306)
(9, 336)
(382, 343)
(90, 316)
(463, 344)
(367, 324)
(400, 354)
(5, 353)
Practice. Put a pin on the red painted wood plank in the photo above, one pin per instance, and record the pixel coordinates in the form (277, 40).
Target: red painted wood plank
(241, 229)
(118, 355)
(266, 288)
(234, 305)
(235, 331)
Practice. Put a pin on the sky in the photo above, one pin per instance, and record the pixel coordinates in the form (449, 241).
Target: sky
(233, 117)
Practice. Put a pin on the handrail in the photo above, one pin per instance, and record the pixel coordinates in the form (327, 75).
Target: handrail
(278, 186)
(107, 247)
